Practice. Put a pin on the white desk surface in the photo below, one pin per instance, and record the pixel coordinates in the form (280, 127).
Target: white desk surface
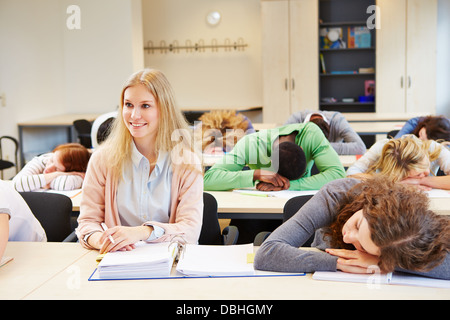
(232, 202)
(61, 271)
(59, 120)
(376, 127)
(369, 116)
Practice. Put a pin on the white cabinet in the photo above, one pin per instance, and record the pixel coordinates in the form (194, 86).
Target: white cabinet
(290, 58)
(406, 56)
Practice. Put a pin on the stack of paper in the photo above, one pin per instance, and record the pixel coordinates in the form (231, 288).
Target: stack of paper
(146, 261)
(210, 261)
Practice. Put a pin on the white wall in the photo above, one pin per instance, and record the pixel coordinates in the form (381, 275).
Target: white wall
(48, 69)
(443, 59)
(213, 79)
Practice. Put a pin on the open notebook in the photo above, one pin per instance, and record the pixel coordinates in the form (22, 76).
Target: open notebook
(155, 261)
(390, 278)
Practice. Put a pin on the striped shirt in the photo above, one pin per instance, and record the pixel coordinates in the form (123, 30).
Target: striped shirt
(31, 177)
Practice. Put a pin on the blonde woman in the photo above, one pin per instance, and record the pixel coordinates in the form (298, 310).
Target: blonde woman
(145, 181)
(407, 159)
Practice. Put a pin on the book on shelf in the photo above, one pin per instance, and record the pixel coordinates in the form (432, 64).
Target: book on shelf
(369, 87)
(366, 70)
(322, 64)
(362, 37)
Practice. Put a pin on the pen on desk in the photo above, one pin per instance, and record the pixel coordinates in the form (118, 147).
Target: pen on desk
(104, 227)
(257, 194)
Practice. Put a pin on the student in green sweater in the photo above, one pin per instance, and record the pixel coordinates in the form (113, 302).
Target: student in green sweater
(259, 151)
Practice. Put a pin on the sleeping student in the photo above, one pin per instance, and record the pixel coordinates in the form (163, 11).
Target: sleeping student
(61, 169)
(142, 182)
(407, 159)
(361, 226)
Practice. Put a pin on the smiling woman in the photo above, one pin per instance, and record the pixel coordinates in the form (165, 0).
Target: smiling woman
(135, 183)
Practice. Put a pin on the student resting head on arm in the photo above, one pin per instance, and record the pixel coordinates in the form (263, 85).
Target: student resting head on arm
(427, 128)
(61, 169)
(17, 222)
(407, 159)
(255, 151)
(361, 226)
(144, 181)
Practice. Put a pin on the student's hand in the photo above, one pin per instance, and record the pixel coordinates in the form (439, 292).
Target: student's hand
(271, 177)
(355, 261)
(124, 238)
(418, 182)
(265, 186)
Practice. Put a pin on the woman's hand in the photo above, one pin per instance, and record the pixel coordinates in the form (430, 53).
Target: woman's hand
(124, 238)
(355, 261)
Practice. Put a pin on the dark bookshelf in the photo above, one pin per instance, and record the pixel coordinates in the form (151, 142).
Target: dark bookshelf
(349, 82)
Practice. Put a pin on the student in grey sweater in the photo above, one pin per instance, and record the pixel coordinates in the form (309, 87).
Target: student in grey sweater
(338, 131)
(364, 224)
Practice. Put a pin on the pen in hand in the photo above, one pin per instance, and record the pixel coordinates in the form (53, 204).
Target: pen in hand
(104, 227)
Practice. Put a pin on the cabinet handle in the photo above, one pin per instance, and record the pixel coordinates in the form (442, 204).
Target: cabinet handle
(293, 84)
(401, 82)
(409, 81)
(285, 84)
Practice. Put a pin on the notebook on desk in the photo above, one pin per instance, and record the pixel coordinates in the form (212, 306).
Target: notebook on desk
(397, 278)
(157, 261)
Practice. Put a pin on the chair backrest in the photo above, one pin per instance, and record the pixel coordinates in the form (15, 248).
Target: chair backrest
(293, 205)
(6, 164)
(391, 134)
(53, 211)
(210, 233)
(83, 128)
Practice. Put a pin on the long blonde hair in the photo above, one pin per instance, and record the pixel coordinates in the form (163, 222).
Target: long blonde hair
(400, 156)
(118, 145)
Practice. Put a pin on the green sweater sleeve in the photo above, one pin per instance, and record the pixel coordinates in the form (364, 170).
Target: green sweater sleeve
(227, 173)
(318, 149)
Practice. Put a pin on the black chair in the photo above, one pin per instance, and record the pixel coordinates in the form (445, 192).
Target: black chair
(5, 164)
(391, 134)
(53, 211)
(210, 233)
(290, 208)
(83, 128)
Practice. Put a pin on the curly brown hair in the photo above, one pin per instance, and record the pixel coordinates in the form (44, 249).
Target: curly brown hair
(408, 233)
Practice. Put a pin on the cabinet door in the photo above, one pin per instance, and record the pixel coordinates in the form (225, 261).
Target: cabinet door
(421, 56)
(275, 57)
(391, 57)
(304, 56)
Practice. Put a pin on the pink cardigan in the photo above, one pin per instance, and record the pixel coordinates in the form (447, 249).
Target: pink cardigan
(99, 202)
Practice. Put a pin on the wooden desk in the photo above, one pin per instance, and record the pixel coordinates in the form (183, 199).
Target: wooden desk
(61, 271)
(375, 127)
(232, 205)
(208, 108)
(64, 121)
(374, 116)
(34, 264)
